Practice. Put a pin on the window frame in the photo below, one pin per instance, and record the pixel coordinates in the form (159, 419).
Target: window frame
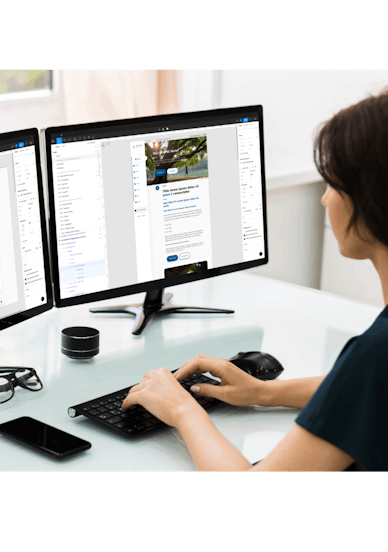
(33, 95)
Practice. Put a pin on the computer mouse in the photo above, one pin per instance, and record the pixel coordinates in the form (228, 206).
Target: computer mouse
(259, 365)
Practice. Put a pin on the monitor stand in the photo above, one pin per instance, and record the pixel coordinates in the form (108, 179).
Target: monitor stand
(155, 304)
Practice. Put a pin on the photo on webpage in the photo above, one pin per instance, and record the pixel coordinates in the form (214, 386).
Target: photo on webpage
(174, 160)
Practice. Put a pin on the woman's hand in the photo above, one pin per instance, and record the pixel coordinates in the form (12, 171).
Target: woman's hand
(237, 387)
(161, 394)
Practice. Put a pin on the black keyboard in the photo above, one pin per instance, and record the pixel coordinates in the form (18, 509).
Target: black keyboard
(136, 419)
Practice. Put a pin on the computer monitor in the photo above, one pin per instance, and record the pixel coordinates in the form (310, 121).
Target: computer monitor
(142, 204)
(25, 282)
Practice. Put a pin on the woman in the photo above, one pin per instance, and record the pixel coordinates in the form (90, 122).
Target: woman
(342, 424)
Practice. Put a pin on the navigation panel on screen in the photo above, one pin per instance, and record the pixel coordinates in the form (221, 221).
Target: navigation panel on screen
(137, 205)
(23, 280)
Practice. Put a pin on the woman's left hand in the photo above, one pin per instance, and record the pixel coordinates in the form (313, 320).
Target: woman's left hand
(161, 394)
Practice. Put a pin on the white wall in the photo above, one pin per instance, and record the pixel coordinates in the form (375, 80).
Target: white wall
(294, 104)
(295, 251)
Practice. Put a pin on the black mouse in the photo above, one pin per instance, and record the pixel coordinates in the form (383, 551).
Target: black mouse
(259, 365)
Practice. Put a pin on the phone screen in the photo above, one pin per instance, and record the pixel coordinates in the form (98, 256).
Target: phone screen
(43, 437)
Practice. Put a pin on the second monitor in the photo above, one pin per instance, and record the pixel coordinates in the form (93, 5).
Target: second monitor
(142, 204)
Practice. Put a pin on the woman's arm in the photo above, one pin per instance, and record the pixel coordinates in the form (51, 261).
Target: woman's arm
(210, 450)
(240, 389)
(299, 450)
(294, 393)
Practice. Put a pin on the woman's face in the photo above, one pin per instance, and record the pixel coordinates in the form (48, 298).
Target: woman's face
(340, 208)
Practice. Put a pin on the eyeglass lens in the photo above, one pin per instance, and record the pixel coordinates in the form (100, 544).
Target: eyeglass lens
(6, 390)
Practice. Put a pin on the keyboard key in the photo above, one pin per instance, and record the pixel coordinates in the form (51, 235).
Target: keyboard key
(147, 415)
(94, 412)
(123, 424)
(126, 416)
(130, 430)
(96, 405)
(86, 408)
(114, 420)
(102, 409)
(105, 416)
(115, 412)
(147, 424)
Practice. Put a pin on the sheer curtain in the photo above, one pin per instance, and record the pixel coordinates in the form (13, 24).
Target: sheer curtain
(108, 94)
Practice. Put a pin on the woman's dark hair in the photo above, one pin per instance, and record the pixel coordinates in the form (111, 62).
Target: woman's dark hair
(351, 154)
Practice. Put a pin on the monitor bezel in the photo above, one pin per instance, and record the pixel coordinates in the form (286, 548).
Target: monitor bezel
(153, 285)
(30, 313)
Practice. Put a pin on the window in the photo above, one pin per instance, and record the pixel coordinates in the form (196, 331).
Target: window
(16, 84)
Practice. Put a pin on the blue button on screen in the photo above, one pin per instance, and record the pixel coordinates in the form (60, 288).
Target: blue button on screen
(172, 258)
(245, 120)
(59, 140)
(160, 172)
(21, 144)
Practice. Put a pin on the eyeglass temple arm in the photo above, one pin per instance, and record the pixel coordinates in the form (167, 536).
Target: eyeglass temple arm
(14, 368)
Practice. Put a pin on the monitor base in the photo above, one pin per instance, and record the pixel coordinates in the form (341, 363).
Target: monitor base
(156, 303)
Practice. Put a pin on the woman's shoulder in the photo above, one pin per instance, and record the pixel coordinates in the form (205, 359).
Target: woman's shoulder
(370, 348)
(376, 336)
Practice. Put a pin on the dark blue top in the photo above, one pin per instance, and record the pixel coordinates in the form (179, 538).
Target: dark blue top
(350, 407)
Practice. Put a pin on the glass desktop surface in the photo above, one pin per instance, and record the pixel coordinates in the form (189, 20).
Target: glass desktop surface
(303, 328)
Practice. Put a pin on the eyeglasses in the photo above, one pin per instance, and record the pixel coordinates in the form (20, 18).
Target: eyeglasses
(24, 377)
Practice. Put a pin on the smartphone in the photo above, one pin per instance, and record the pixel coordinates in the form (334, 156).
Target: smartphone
(43, 437)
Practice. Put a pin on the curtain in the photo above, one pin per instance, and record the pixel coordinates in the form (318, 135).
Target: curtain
(102, 95)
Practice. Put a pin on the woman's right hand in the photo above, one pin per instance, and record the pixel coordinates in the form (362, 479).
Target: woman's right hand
(237, 387)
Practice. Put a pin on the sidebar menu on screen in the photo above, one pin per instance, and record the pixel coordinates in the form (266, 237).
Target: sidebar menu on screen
(29, 226)
(251, 190)
(80, 218)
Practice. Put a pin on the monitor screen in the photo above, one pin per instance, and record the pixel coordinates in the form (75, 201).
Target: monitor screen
(25, 285)
(148, 203)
